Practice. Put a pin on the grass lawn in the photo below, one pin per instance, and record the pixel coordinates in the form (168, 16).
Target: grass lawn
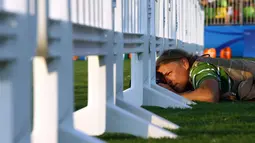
(231, 122)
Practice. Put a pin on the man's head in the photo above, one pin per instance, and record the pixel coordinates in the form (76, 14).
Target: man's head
(174, 64)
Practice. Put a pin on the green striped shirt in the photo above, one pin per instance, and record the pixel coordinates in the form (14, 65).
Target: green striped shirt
(201, 71)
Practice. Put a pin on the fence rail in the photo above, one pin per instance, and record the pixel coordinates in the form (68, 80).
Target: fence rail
(39, 38)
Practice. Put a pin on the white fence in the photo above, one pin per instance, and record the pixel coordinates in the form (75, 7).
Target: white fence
(39, 38)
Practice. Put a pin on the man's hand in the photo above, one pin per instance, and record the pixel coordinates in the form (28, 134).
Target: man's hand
(166, 86)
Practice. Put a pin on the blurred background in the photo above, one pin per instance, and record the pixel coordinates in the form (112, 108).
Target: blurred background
(229, 28)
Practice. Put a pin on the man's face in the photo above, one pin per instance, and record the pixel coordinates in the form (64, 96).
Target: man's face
(176, 74)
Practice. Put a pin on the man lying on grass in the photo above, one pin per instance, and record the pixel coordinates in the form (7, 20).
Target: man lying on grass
(206, 79)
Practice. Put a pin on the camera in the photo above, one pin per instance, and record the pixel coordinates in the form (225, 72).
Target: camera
(160, 78)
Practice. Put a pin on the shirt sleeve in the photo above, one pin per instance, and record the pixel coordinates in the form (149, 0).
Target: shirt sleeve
(203, 71)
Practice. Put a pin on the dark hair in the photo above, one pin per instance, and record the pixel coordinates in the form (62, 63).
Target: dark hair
(174, 55)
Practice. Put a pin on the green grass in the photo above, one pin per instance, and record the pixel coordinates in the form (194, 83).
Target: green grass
(81, 81)
(232, 122)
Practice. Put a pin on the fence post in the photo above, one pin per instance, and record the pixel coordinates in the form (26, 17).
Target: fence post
(53, 76)
(16, 34)
(93, 37)
(155, 95)
(138, 26)
(143, 116)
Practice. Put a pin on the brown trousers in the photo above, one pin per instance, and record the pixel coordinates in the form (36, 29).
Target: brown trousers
(242, 72)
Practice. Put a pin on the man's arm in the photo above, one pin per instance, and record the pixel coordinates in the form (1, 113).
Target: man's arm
(208, 91)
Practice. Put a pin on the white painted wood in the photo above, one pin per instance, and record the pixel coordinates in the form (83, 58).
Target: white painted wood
(93, 118)
(132, 98)
(95, 29)
(53, 76)
(15, 71)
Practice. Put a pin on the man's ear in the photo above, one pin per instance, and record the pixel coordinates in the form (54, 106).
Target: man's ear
(185, 63)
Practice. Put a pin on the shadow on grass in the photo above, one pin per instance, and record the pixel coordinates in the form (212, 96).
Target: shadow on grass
(232, 122)
(117, 136)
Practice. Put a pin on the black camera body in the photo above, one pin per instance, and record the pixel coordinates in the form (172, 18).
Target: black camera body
(160, 78)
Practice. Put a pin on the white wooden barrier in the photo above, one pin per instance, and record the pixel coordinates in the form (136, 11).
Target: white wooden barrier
(15, 71)
(43, 35)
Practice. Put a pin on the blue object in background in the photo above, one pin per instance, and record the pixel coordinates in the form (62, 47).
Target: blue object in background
(82, 58)
(249, 40)
(219, 37)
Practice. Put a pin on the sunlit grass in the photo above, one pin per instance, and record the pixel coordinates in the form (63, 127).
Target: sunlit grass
(231, 122)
